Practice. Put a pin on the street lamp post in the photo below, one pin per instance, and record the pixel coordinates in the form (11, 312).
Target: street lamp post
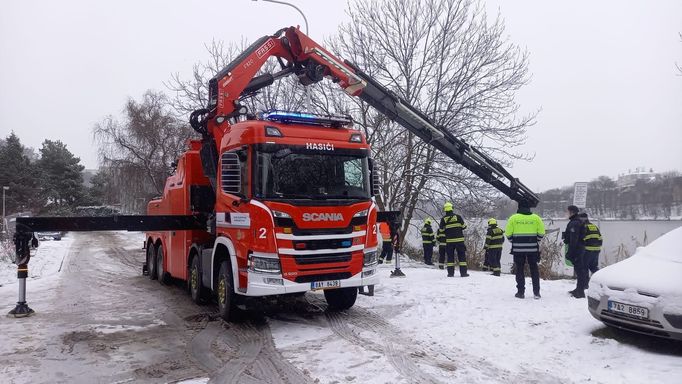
(292, 6)
(4, 220)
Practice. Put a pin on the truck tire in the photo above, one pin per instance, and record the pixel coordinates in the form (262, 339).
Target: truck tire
(225, 292)
(341, 298)
(160, 272)
(196, 290)
(151, 262)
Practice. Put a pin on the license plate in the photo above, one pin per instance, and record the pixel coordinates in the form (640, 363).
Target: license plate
(331, 284)
(630, 310)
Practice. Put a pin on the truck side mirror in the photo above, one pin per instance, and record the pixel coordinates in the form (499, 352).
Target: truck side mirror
(230, 173)
(375, 181)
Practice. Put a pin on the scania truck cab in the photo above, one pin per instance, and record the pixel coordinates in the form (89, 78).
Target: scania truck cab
(293, 212)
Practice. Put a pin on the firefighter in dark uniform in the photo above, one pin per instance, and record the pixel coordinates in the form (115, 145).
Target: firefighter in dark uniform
(589, 262)
(441, 248)
(574, 246)
(494, 238)
(525, 230)
(428, 239)
(454, 239)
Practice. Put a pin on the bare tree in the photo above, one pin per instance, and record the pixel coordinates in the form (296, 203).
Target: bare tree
(137, 151)
(446, 58)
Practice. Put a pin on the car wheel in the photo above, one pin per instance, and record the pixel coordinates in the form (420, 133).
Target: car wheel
(196, 290)
(225, 291)
(151, 262)
(342, 298)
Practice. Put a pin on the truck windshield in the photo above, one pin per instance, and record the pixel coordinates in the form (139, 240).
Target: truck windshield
(295, 173)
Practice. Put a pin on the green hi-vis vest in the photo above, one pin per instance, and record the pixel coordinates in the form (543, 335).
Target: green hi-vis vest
(454, 228)
(494, 238)
(441, 237)
(592, 239)
(427, 235)
(525, 232)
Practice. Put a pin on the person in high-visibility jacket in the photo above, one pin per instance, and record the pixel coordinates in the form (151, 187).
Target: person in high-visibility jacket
(525, 230)
(494, 238)
(428, 239)
(588, 261)
(454, 239)
(441, 247)
(386, 243)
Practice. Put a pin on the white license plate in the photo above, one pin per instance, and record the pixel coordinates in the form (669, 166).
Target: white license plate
(627, 309)
(330, 284)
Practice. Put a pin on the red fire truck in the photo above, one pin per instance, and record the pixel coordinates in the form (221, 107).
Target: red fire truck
(277, 202)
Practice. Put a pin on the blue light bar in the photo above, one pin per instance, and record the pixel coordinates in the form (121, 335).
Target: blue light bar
(335, 121)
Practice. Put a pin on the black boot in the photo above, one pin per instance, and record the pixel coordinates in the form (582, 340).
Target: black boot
(519, 295)
(578, 294)
(451, 271)
(463, 271)
(496, 273)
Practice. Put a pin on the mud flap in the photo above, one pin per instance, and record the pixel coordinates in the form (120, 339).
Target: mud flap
(370, 290)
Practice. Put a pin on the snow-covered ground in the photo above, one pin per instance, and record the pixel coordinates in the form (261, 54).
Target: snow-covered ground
(99, 320)
(474, 330)
(46, 260)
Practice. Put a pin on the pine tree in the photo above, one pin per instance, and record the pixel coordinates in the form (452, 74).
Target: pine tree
(62, 176)
(21, 176)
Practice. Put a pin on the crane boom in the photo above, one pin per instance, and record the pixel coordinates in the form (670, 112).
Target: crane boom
(300, 55)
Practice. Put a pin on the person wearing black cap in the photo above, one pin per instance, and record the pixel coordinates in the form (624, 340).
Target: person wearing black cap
(574, 246)
(525, 230)
(589, 262)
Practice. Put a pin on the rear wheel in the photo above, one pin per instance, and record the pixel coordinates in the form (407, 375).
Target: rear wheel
(341, 298)
(160, 272)
(195, 288)
(225, 291)
(151, 262)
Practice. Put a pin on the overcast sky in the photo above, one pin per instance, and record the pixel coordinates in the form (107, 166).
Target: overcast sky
(604, 72)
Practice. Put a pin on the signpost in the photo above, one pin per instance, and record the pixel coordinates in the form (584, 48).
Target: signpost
(580, 194)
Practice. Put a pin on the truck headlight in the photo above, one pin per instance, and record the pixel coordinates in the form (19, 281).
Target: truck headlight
(370, 259)
(281, 215)
(361, 213)
(264, 265)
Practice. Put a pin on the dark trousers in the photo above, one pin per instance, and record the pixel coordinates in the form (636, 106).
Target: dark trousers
(386, 251)
(520, 260)
(428, 253)
(441, 256)
(587, 262)
(461, 255)
(493, 257)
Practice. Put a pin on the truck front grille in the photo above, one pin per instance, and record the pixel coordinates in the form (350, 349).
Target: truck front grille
(326, 258)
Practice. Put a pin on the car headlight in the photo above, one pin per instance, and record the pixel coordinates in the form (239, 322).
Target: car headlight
(370, 259)
(264, 264)
(281, 215)
(361, 213)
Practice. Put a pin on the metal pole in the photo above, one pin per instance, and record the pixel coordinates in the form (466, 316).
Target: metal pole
(4, 221)
(292, 6)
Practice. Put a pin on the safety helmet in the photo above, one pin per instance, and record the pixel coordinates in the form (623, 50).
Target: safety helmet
(492, 221)
(427, 220)
(447, 207)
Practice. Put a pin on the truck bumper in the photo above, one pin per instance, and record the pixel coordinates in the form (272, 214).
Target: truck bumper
(260, 284)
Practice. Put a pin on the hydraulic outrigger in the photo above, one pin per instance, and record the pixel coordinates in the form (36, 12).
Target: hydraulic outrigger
(299, 55)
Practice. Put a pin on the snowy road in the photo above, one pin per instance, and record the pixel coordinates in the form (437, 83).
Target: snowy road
(99, 320)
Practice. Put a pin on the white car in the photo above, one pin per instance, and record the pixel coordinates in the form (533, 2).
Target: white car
(644, 292)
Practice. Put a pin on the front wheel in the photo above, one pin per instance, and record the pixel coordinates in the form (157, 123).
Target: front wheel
(341, 298)
(226, 296)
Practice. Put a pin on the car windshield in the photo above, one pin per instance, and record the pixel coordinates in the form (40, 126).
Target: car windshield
(297, 173)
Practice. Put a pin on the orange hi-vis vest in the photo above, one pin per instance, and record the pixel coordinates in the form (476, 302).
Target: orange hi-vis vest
(385, 232)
